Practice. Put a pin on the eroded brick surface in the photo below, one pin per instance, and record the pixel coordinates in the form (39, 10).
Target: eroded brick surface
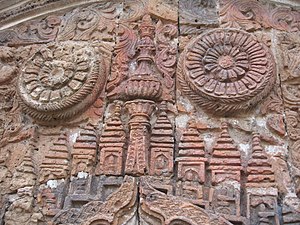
(150, 112)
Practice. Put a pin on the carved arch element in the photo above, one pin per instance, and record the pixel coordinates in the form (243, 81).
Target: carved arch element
(61, 80)
(226, 70)
(170, 210)
(117, 209)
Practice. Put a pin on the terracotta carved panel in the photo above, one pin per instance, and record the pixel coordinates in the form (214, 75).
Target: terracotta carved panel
(226, 70)
(149, 112)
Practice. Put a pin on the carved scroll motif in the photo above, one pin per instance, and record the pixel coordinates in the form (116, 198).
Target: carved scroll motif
(37, 31)
(95, 22)
(252, 15)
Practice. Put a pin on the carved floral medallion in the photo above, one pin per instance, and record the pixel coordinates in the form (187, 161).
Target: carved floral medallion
(60, 80)
(77, 150)
(226, 70)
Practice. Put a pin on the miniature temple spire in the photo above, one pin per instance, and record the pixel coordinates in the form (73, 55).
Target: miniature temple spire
(111, 145)
(84, 150)
(191, 158)
(146, 47)
(56, 162)
(261, 189)
(259, 169)
(162, 144)
(226, 158)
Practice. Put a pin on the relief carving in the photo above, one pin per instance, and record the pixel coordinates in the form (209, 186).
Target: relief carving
(191, 158)
(226, 159)
(95, 128)
(55, 164)
(113, 211)
(252, 15)
(289, 45)
(60, 80)
(262, 206)
(112, 143)
(162, 144)
(92, 23)
(142, 85)
(84, 150)
(152, 56)
(159, 208)
(37, 31)
(226, 70)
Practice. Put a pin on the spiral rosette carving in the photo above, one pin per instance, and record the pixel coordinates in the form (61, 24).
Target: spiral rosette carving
(226, 70)
(60, 81)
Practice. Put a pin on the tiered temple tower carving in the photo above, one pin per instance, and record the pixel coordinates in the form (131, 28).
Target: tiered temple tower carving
(111, 145)
(149, 112)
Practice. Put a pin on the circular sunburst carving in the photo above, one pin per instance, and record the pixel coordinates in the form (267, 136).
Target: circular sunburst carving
(60, 80)
(226, 70)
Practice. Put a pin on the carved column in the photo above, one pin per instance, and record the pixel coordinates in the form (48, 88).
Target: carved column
(139, 125)
(142, 89)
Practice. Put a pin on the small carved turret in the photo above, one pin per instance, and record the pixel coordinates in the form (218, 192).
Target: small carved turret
(226, 158)
(191, 158)
(259, 169)
(84, 150)
(162, 144)
(56, 162)
(112, 143)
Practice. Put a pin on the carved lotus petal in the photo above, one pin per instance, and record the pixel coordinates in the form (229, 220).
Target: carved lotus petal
(143, 87)
(226, 70)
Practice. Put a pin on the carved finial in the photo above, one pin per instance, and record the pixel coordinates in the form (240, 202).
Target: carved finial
(163, 106)
(146, 28)
(118, 107)
(146, 47)
(256, 146)
(224, 128)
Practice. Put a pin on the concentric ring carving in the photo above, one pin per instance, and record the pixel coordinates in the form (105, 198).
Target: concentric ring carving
(60, 80)
(226, 70)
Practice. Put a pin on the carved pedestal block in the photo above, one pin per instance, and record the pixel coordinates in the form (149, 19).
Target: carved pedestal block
(225, 199)
(262, 206)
